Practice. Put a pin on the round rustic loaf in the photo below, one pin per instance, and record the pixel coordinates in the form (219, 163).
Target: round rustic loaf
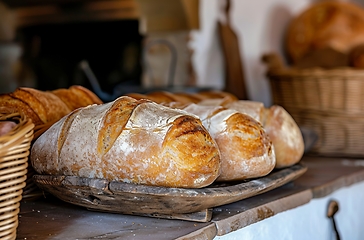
(281, 128)
(246, 150)
(133, 141)
(335, 24)
(285, 135)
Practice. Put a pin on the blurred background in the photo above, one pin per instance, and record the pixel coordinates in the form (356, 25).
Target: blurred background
(139, 45)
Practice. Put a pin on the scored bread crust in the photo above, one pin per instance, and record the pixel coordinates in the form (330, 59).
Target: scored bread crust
(132, 141)
(246, 150)
(281, 128)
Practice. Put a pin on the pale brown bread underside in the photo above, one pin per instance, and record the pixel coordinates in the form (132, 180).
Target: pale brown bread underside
(128, 140)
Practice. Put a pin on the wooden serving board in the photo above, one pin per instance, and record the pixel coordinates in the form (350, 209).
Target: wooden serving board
(162, 202)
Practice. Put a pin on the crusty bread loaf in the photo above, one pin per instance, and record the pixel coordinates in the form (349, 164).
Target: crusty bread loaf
(281, 128)
(246, 150)
(277, 122)
(285, 135)
(134, 141)
(192, 97)
(335, 24)
(46, 107)
(138, 96)
(45, 104)
(11, 104)
(77, 96)
(209, 94)
(184, 97)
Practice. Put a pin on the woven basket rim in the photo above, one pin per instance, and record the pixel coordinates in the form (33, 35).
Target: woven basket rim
(277, 68)
(342, 114)
(317, 72)
(14, 152)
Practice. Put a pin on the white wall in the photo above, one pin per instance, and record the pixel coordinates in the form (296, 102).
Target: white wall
(260, 26)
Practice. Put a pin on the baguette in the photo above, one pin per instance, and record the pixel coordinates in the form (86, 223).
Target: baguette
(133, 141)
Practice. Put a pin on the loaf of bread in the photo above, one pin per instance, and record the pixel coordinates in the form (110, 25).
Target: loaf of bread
(133, 141)
(185, 97)
(77, 96)
(281, 128)
(335, 24)
(46, 107)
(246, 150)
(285, 134)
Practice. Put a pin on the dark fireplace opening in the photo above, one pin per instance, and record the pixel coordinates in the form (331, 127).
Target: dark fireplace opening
(53, 53)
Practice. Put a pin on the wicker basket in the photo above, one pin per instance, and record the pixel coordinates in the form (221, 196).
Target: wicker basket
(14, 151)
(328, 101)
(31, 191)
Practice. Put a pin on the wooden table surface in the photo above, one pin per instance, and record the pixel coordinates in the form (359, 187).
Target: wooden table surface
(50, 218)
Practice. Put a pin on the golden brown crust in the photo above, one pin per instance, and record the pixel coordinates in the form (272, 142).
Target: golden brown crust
(114, 123)
(13, 104)
(44, 108)
(137, 96)
(217, 94)
(160, 97)
(245, 148)
(285, 135)
(198, 156)
(89, 97)
(184, 97)
(191, 97)
(173, 97)
(48, 106)
(77, 96)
